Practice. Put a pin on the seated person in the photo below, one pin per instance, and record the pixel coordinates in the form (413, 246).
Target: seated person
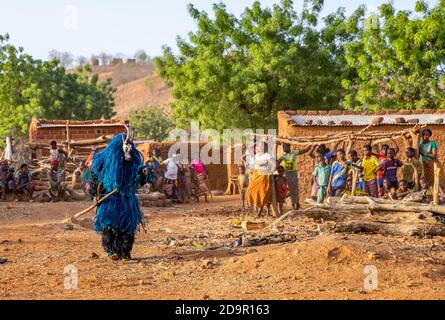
(389, 191)
(56, 181)
(6, 179)
(403, 190)
(76, 181)
(23, 182)
(429, 191)
(348, 190)
(412, 169)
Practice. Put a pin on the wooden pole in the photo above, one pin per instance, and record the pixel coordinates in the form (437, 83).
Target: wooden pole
(376, 137)
(354, 181)
(416, 177)
(68, 135)
(436, 184)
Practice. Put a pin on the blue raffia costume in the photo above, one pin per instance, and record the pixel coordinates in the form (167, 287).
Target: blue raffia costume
(119, 216)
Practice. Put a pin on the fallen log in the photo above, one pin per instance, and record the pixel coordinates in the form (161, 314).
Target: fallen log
(346, 199)
(88, 148)
(43, 146)
(394, 205)
(314, 213)
(156, 203)
(390, 229)
(89, 142)
(364, 215)
(77, 196)
(399, 206)
(151, 196)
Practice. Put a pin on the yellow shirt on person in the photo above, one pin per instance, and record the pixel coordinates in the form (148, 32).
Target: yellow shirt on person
(370, 166)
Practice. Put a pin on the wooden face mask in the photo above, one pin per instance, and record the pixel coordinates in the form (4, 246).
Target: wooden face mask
(127, 144)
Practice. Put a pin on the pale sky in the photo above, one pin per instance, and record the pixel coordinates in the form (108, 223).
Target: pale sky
(84, 27)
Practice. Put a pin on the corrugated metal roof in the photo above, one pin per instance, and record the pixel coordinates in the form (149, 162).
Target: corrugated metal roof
(364, 120)
(45, 123)
(95, 125)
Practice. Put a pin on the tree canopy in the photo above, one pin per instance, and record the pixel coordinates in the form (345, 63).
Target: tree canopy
(239, 71)
(399, 59)
(33, 88)
(151, 123)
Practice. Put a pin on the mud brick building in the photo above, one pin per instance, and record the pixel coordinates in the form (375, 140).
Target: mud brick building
(219, 174)
(42, 131)
(306, 123)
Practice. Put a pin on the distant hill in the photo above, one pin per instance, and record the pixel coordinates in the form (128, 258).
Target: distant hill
(137, 87)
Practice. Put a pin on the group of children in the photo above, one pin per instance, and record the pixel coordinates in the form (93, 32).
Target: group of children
(376, 173)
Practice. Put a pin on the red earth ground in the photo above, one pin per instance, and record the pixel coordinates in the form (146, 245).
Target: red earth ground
(188, 254)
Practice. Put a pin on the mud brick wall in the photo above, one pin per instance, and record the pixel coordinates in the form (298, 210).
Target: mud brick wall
(44, 135)
(218, 173)
(306, 164)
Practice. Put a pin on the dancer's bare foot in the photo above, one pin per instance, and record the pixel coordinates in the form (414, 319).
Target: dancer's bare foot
(115, 257)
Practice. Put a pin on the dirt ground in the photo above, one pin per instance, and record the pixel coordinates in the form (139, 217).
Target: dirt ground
(188, 253)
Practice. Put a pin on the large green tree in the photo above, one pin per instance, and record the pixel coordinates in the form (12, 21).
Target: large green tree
(152, 122)
(239, 71)
(33, 88)
(399, 59)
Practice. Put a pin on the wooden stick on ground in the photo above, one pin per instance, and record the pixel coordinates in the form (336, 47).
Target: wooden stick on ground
(81, 213)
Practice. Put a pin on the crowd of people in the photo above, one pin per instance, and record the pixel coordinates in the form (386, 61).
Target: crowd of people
(375, 172)
(20, 183)
(179, 181)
